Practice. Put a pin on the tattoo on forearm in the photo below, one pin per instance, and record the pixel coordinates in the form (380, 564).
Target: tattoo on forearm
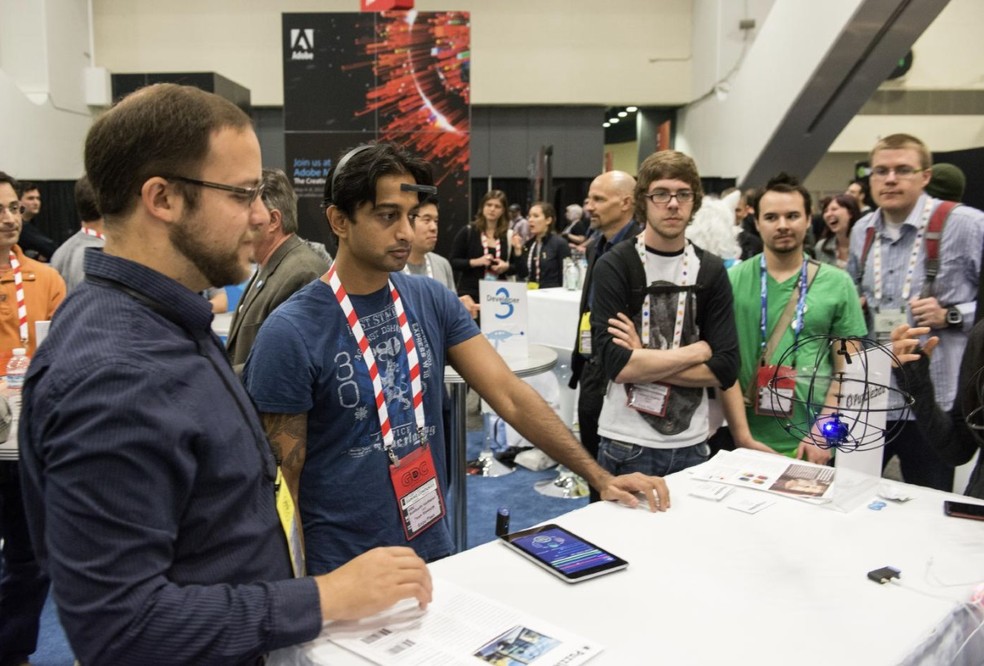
(288, 437)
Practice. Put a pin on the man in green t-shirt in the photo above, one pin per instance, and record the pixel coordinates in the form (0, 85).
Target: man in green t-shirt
(755, 412)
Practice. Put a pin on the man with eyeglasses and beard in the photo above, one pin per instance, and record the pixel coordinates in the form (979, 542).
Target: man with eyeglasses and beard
(663, 328)
(888, 261)
(149, 484)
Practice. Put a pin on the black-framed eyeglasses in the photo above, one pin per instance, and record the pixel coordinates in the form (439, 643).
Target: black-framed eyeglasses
(904, 171)
(246, 194)
(664, 196)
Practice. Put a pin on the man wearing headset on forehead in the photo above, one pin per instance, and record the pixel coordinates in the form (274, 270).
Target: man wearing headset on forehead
(348, 377)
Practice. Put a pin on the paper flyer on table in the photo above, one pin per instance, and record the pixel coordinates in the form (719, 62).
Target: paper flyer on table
(843, 489)
(768, 472)
(460, 627)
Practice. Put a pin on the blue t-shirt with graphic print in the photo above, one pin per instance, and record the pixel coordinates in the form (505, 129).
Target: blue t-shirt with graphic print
(306, 360)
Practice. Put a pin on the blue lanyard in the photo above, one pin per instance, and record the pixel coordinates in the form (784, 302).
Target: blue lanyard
(800, 305)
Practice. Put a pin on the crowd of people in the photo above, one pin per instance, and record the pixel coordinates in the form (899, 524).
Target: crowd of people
(215, 502)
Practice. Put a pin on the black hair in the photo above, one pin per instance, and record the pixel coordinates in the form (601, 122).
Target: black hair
(10, 180)
(85, 201)
(352, 180)
(785, 183)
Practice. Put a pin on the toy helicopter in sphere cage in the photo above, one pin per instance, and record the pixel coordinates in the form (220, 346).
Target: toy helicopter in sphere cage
(843, 420)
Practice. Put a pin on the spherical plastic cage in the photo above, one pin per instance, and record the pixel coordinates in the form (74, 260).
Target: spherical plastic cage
(845, 421)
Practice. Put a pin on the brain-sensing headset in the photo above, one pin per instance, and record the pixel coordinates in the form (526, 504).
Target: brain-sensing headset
(404, 187)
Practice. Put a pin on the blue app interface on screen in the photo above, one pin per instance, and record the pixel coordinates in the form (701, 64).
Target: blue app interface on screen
(563, 552)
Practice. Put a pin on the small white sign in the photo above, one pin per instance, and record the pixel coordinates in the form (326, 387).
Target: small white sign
(865, 401)
(505, 318)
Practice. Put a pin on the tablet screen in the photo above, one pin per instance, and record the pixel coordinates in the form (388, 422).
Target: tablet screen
(565, 554)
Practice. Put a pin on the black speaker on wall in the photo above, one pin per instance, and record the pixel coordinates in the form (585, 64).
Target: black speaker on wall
(124, 84)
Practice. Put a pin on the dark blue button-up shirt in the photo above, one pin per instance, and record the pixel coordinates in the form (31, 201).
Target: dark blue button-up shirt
(148, 482)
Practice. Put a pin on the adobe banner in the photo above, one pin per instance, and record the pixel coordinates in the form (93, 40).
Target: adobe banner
(396, 76)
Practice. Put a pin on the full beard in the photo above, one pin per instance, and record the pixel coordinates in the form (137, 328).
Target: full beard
(220, 269)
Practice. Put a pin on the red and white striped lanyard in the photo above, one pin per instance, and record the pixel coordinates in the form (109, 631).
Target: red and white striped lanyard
(490, 274)
(413, 361)
(92, 232)
(916, 244)
(19, 293)
(688, 254)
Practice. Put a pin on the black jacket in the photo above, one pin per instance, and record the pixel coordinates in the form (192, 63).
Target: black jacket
(948, 433)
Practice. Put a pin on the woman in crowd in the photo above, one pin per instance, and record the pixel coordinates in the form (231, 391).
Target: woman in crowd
(542, 259)
(578, 225)
(839, 215)
(482, 250)
(955, 435)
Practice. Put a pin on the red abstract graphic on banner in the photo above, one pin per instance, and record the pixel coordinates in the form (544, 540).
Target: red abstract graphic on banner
(421, 63)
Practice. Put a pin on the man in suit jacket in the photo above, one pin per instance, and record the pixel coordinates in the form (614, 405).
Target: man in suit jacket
(611, 204)
(285, 263)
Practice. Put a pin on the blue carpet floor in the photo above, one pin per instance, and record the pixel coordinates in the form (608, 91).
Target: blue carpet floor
(53, 647)
(514, 491)
(485, 495)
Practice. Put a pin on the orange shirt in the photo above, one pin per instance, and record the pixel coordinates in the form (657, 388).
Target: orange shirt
(44, 290)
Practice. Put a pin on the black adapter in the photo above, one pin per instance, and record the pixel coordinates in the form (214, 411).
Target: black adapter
(883, 575)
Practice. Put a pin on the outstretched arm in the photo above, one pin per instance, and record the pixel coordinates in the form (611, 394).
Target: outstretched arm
(523, 408)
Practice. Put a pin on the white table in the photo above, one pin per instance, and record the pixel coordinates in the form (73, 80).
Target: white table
(553, 316)
(710, 585)
(553, 321)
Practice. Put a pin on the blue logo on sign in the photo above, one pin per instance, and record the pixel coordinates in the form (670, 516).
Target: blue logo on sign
(502, 291)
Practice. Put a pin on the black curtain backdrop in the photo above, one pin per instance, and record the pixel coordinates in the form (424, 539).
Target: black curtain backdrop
(58, 219)
(566, 191)
(971, 162)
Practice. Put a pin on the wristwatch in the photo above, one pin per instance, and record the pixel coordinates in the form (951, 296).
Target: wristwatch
(954, 317)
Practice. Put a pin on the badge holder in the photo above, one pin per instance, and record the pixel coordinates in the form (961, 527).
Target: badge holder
(584, 334)
(648, 398)
(418, 493)
(775, 390)
(886, 320)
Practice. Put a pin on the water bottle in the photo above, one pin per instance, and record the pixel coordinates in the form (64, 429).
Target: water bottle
(502, 521)
(571, 275)
(17, 369)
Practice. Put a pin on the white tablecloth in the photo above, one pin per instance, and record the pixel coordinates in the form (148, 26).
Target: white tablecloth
(710, 585)
(553, 317)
